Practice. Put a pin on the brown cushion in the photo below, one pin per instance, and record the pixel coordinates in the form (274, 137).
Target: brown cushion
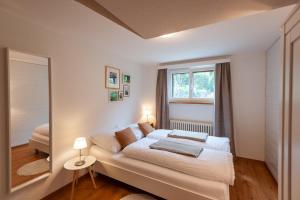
(125, 137)
(146, 128)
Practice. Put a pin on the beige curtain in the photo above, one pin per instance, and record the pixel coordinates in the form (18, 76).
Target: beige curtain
(223, 104)
(162, 104)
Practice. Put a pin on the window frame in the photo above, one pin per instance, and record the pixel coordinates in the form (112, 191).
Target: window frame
(190, 99)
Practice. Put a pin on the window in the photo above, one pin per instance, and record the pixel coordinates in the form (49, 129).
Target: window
(197, 86)
(204, 84)
(181, 85)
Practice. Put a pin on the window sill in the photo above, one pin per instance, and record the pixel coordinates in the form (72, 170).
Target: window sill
(191, 101)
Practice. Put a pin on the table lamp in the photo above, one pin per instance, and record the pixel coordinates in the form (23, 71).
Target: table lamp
(80, 143)
(147, 113)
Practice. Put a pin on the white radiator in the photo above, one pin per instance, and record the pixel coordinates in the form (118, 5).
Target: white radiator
(205, 127)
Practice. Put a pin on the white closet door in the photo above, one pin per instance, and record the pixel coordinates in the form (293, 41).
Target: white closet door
(295, 114)
(289, 184)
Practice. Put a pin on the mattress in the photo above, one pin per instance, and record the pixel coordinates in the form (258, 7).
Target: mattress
(206, 188)
(40, 138)
(212, 142)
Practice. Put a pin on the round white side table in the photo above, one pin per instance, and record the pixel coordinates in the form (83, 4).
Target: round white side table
(70, 165)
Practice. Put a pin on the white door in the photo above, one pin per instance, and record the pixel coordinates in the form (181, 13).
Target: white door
(295, 114)
(290, 169)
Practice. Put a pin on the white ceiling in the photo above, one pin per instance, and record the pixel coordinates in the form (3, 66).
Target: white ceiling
(246, 34)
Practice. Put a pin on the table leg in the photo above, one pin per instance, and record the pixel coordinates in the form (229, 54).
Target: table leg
(93, 171)
(77, 176)
(73, 184)
(92, 177)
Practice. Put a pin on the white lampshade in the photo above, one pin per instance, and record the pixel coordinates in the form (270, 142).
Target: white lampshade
(147, 112)
(80, 143)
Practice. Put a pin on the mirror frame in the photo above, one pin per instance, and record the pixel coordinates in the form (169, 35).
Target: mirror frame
(8, 114)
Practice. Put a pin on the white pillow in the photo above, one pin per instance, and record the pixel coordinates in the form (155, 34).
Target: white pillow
(137, 131)
(42, 129)
(107, 141)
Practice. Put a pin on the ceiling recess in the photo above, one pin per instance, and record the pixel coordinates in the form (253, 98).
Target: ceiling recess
(153, 18)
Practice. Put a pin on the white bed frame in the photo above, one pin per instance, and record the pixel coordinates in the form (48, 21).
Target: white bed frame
(40, 146)
(149, 184)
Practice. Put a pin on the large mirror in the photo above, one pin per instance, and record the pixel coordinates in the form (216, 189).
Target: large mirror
(29, 118)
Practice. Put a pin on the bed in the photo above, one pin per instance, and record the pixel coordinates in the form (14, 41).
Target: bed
(157, 179)
(160, 181)
(39, 140)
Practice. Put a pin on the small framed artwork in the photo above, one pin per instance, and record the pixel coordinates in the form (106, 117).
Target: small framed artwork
(126, 79)
(112, 77)
(126, 90)
(113, 95)
(120, 95)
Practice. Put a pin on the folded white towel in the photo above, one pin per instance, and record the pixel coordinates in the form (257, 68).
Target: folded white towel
(197, 136)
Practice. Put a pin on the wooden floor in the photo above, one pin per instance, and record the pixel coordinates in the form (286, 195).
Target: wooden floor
(253, 182)
(21, 155)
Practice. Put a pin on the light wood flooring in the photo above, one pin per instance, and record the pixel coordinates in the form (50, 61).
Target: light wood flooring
(253, 182)
(21, 155)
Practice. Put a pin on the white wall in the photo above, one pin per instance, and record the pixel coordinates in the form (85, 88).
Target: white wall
(248, 85)
(80, 101)
(193, 112)
(273, 106)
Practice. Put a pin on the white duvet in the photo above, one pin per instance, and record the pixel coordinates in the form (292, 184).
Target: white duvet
(210, 165)
(212, 142)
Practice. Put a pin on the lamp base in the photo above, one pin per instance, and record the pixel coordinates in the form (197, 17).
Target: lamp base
(79, 163)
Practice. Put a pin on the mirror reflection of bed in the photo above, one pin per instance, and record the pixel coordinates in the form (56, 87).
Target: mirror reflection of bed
(28, 117)
(31, 159)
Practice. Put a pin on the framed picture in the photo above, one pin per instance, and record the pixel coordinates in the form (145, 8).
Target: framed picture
(126, 79)
(126, 90)
(113, 95)
(112, 77)
(120, 95)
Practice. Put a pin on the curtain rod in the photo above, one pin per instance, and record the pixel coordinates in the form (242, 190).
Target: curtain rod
(194, 62)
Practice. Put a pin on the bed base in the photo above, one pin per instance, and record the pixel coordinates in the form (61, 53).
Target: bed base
(40, 146)
(148, 184)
